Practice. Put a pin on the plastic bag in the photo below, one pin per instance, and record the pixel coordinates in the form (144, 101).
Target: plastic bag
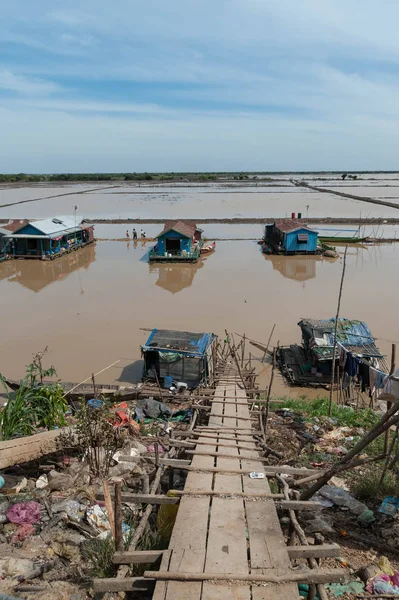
(24, 513)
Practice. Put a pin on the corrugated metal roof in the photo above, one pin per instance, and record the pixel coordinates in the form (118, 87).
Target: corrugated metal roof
(354, 335)
(14, 224)
(186, 228)
(53, 226)
(287, 225)
(178, 341)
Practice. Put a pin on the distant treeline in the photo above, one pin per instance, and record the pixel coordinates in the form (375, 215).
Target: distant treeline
(265, 175)
(26, 178)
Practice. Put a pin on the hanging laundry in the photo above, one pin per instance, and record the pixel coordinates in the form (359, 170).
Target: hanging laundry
(364, 375)
(351, 365)
(373, 378)
(381, 379)
(342, 357)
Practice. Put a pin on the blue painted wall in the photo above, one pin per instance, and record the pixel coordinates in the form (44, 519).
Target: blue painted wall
(30, 230)
(291, 243)
(185, 243)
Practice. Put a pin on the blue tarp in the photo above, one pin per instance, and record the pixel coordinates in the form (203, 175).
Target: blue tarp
(178, 342)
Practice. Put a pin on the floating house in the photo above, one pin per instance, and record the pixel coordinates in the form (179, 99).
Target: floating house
(289, 236)
(179, 356)
(311, 364)
(3, 248)
(5, 230)
(48, 238)
(179, 241)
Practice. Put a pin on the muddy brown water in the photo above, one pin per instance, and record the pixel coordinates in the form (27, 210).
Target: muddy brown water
(88, 307)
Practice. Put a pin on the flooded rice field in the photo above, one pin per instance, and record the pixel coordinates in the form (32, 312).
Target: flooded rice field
(88, 307)
(214, 200)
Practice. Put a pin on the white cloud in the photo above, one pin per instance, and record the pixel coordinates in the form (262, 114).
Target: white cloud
(83, 40)
(25, 85)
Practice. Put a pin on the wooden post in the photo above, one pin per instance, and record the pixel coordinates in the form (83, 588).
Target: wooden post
(389, 404)
(108, 506)
(335, 333)
(268, 342)
(243, 351)
(269, 393)
(118, 517)
(94, 386)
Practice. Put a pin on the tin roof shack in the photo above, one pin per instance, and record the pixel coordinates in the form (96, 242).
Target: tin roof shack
(49, 238)
(5, 230)
(289, 236)
(180, 356)
(3, 245)
(180, 241)
(311, 363)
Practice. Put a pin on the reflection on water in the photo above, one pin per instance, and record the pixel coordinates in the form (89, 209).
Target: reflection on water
(299, 268)
(174, 277)
(35, 275)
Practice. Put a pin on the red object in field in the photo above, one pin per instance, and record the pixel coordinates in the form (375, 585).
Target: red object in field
(293, 215)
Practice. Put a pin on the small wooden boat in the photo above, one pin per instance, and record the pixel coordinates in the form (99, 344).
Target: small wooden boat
(208, 248)
(86, 390)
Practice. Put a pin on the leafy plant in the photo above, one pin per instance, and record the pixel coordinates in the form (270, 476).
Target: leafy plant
(34, 405)
(97, 437)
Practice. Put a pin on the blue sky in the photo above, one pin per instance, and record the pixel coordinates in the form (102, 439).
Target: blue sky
(199, 85)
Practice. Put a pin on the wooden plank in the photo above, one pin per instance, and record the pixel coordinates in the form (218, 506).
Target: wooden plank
(311, 576)
(188, 540)
(227, 544)
(321, 551)
(298, 505)
(21, 450)
(215, 435)
(137, 557)
(268, 470)
(144, 498)
(128, 584)
(215, 493)
(190, 445)
(268, 551)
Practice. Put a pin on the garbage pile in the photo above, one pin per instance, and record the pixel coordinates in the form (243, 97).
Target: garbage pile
(51, 511)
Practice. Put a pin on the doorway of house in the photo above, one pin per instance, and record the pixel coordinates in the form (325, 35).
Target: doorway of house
(172, 245)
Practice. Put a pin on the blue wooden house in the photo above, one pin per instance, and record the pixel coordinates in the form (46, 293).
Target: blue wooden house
(179, 356)
(289, 236)
(179, 241)
(48, 238)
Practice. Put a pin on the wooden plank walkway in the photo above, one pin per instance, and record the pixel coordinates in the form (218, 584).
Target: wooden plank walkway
(226, 535)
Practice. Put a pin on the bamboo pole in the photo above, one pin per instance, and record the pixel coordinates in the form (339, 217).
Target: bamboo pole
(335, 333)
(268, 342)
(88, 379)
(269, 394)
(333, 576)
(389, 404)
(118, 517)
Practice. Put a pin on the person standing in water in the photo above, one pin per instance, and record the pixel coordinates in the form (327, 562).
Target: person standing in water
(142, 234)
(127, 235)
(134, 234)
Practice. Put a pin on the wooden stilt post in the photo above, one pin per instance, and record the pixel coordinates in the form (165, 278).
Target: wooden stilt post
(335, 333)
(118, 517)
(268, 342)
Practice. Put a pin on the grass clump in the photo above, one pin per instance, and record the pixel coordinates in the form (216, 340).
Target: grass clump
(98, 553)
(318, 407)
(370, 487)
